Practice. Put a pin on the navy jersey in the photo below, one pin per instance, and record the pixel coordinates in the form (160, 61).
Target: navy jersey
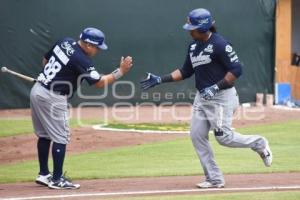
(67, 66)
(210, 61)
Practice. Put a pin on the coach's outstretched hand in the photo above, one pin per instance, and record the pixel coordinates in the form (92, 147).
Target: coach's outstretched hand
(151, 81)
(125, 64)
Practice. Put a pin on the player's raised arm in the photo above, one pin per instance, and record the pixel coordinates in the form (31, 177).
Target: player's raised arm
(179, 74)
(125, 66)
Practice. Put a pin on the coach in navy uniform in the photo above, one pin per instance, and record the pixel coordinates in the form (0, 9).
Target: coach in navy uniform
(216, 67)
(66, 65)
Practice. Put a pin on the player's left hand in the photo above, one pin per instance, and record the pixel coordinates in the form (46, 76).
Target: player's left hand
(209, 92)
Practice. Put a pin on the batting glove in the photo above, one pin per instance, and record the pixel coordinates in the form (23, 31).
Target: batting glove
(151, 81)
(209, 92)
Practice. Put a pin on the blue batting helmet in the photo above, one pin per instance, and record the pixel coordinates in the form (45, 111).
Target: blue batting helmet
(199, 19)
(93, 36)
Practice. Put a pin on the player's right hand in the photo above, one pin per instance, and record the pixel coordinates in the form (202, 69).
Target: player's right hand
(151, 81)
(125, 64)
(209, 92)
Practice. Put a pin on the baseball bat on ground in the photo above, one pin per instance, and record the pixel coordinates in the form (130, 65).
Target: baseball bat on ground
(27, 78)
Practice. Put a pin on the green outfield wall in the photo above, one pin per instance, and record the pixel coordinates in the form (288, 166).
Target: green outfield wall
(148, 30)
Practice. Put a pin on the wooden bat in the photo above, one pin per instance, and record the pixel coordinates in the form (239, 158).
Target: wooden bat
(27, 78)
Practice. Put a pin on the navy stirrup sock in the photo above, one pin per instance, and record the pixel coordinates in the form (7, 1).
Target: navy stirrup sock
(43, 146)
(58, 154)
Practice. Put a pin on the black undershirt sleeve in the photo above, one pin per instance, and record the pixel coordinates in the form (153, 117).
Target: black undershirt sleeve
(167, 78)
(223, 84)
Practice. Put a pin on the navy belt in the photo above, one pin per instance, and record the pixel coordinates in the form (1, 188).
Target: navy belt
(55, 92)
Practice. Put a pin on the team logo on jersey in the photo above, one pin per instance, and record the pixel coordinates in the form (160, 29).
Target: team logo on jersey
(231, 54)
(209, 48)
(200, 59)
(95, 75)
(68, 47)
(234, 58)
(228, 48)
(193, 47)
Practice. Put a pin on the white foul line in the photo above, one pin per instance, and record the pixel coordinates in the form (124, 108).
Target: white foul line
(151, 192)
(102, 128)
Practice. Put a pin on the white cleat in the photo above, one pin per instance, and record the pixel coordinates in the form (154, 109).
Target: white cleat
(43, 179)
(266, 155)
(207, 184)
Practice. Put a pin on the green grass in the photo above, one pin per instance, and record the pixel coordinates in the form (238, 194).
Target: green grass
(24, 126)
(173, 158)
(149, 126)
(11, 127)
(289, 195)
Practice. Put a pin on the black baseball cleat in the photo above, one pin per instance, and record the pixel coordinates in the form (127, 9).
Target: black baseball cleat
(62, 183)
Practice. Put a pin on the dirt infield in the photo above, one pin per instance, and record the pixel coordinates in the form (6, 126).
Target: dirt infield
(85, 139)
(21, 148)
(158, 186)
